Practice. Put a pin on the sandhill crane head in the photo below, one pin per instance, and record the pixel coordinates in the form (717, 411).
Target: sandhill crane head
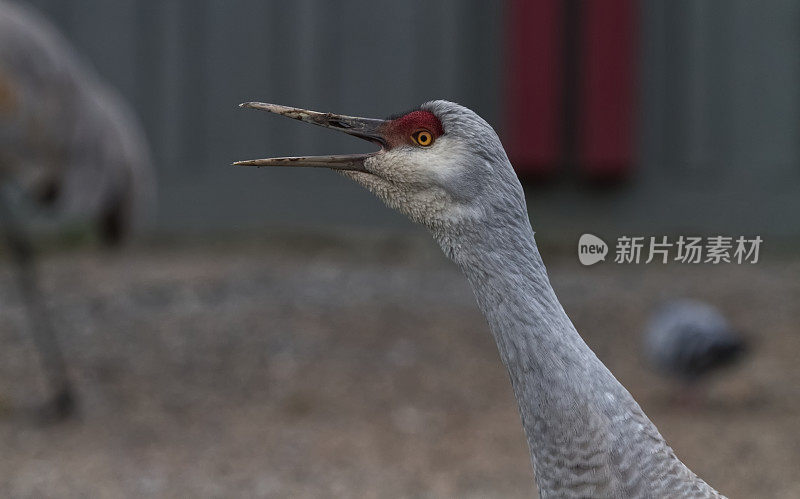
(444, 166)
(440, 164)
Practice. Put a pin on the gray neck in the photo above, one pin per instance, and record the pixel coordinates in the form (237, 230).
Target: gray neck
(585, 432)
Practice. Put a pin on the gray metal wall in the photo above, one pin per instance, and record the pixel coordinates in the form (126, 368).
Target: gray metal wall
(186, 64)
(719, 114)
(719, 128)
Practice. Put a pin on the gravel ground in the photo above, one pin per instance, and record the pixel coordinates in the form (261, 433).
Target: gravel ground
(323, 369)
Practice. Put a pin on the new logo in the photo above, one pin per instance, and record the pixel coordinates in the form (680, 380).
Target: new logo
(591, 249)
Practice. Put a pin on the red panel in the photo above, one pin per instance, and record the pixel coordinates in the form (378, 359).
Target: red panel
(533, 125)
(607, 89)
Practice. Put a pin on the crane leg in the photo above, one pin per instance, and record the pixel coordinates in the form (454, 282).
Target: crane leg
(62, 402)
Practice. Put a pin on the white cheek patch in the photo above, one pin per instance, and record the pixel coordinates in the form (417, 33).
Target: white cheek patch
(436, 164)
(444, 158)
(428, 179)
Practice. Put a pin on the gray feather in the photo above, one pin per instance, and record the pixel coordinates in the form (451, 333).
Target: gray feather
(587, 436)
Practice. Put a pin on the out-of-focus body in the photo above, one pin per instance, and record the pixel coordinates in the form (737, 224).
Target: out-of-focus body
(66, 138)
(689, 339)
(69, 143)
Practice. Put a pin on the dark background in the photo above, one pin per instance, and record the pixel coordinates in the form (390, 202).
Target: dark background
(716, 128)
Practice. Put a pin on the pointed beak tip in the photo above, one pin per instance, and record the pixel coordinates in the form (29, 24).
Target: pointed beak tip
(251, 105)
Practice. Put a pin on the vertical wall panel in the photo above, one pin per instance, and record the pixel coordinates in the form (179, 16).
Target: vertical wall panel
(720, 113)
(535, 115)
(719, 101)
(606, 94)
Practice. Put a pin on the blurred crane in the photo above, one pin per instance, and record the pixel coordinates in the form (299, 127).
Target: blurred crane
(444, 167)
(68, 143)
(689, 340)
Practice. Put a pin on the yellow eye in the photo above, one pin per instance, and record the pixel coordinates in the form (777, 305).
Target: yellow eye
(422, 137)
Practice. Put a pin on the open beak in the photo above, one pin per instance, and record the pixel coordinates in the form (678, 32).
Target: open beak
(365, 128)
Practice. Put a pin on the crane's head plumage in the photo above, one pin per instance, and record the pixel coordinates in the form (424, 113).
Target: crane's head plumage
(440, 164)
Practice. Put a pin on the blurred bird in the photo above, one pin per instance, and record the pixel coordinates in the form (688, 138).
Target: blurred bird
(689, 340)
(68, 143)
(444, 167)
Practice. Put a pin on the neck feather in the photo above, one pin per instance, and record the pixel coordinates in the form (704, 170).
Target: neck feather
(533, 333)
(585, 432)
